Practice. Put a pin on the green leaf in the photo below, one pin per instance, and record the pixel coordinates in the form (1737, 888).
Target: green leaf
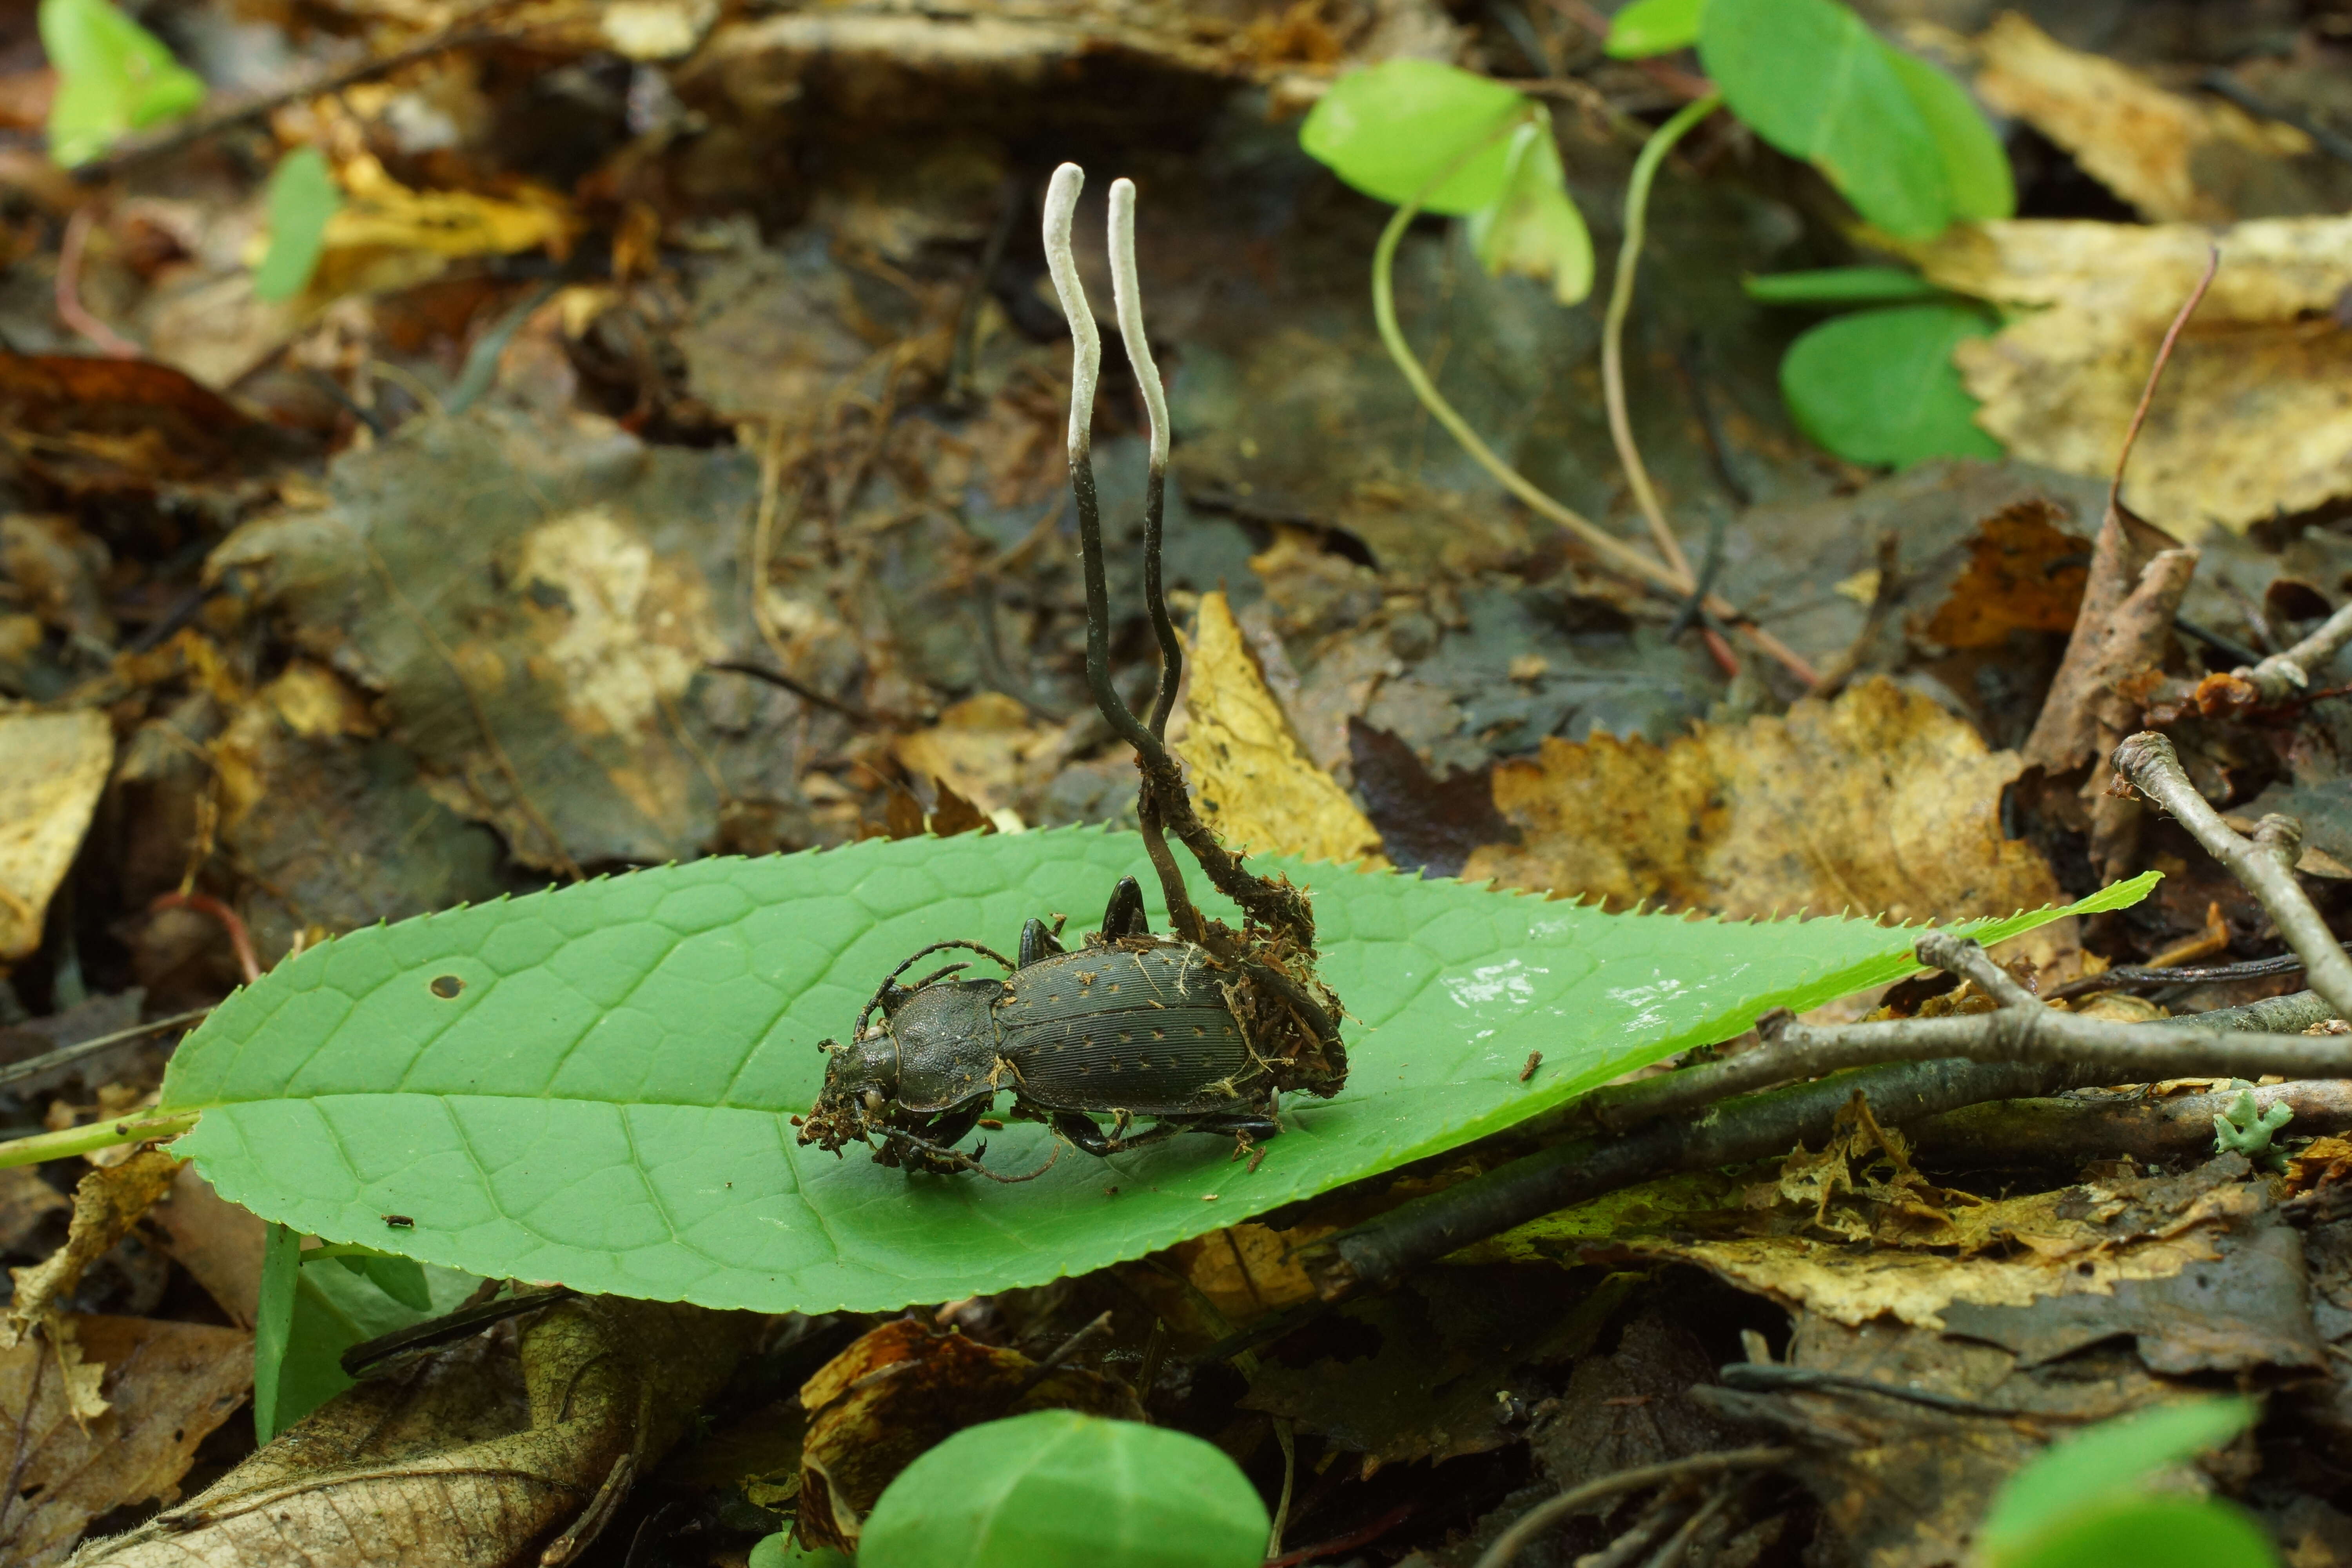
(1840, 286)
(1058, 1489)
(273, 1323)
(1390, 130)
(335, 1309)
(1533, 228)
(1811, 78)
(1976, 167)
(303, 196)
(2103, 1466)
(401, 1278)
(778, 1552)
(1653, 27)
(1879, 386)
(113, 77)
(591, 1085)
(2150, 1532)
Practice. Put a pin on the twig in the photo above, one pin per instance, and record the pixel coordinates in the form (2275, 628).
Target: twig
(2265, 866)
(230, 921)
(2061, 1131)
(70, 310)
(187, 133)
(2229, 649)
(32, 1067)
(1541, 1516)
(1772, 1377)
(2334, 143)
(797, 687)
(2156, 372)
(1060, 1353)
(1612, 328)
(1671, 1555)
(1614, 551)
(370, 1358)
(2135, 976)
(2282, 675)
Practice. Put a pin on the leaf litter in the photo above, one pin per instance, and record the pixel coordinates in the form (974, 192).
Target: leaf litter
(441, 581)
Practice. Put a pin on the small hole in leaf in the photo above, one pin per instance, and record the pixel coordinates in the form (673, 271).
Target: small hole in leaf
(447, 987)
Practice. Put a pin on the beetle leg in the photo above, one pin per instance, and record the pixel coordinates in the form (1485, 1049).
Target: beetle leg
(1036, 942)
(1125, 916)
(1081, 1130)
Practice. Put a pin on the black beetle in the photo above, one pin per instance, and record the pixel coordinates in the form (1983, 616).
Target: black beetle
(1129, 1025)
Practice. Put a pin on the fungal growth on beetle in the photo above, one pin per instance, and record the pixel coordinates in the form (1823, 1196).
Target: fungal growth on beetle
(1200, 1030)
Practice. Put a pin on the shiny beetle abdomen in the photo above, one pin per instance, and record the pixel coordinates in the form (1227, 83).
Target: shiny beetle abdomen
(1139, 1028)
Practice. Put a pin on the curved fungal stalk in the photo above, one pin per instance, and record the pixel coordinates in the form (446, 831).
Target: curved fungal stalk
(1127, 296)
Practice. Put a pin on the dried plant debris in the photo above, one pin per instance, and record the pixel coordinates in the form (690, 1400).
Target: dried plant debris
(1776, 815)
(52, 767)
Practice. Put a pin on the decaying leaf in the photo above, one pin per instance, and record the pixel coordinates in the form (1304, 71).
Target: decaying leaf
(216, 1241)
(474, 1458)
(1253, 781)
(166, 1387)
(1879, 801)
(2250, 419)
(107, 1202)
(977, 749)
(901, 1389)
(52, 767)
(2172, 156)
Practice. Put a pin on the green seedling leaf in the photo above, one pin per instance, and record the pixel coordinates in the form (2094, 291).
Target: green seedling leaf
(1058, 1489)
(2245, 1128)
(113, 77)
(1976, 167)
(401, 1278)
(1811, 78)
(1390, 130)
(778, 1551)
(1879, 386)
(1842, 286)
(1653, 27)
(303, 196)
(2151, 1532)
(335, 1309)
(1533, 228)
(273, 1323)
(592, 1085)
(2099, 1469)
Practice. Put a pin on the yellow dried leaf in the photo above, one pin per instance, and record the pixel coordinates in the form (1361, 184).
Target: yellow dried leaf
(380, 212)
(1255, 783)
(2143, 142)
(52, 767)
(1879, 802)
(977, 749)
(2251, 416)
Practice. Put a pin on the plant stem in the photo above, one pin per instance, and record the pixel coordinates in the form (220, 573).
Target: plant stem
(1618, 554)
(72, 1140)
(1612, 330)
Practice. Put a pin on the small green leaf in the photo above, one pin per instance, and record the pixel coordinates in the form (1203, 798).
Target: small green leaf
(1880, 387)
(1390, 130)
(1811, 78)
(401, 1278)
(2149, 1532)
(1058, 1489)
(303, 196)
(777, 1551)
(1976, 167)
(1840, 286)
(593, 1084)
(113, 77)
(335, 1309)
(2101, 1466)
(273, 1323)
(1653, 27)
(1533, 228)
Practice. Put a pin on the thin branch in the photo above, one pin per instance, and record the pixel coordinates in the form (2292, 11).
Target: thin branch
(1541, 1516)
(2139, 977)
(1612, 330)
(2156, 374)
(70, 310)
(240, 940)
(16, 1072)
(2282, 675)
(2265, 866)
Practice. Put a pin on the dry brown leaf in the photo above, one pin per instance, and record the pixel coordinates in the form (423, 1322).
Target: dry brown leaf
(167, 1386)
(1254, 780)
(2147, 145)
(1880, 803)
(901, 1390)
(2023, 574)
(977, 749)
(107, 1202)
(215, 1240)
(2251, 416)
(472, 1459)
(52, 767)
(25, 1201)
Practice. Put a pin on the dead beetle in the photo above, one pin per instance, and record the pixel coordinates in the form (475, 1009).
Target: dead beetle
(1130, 1026)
